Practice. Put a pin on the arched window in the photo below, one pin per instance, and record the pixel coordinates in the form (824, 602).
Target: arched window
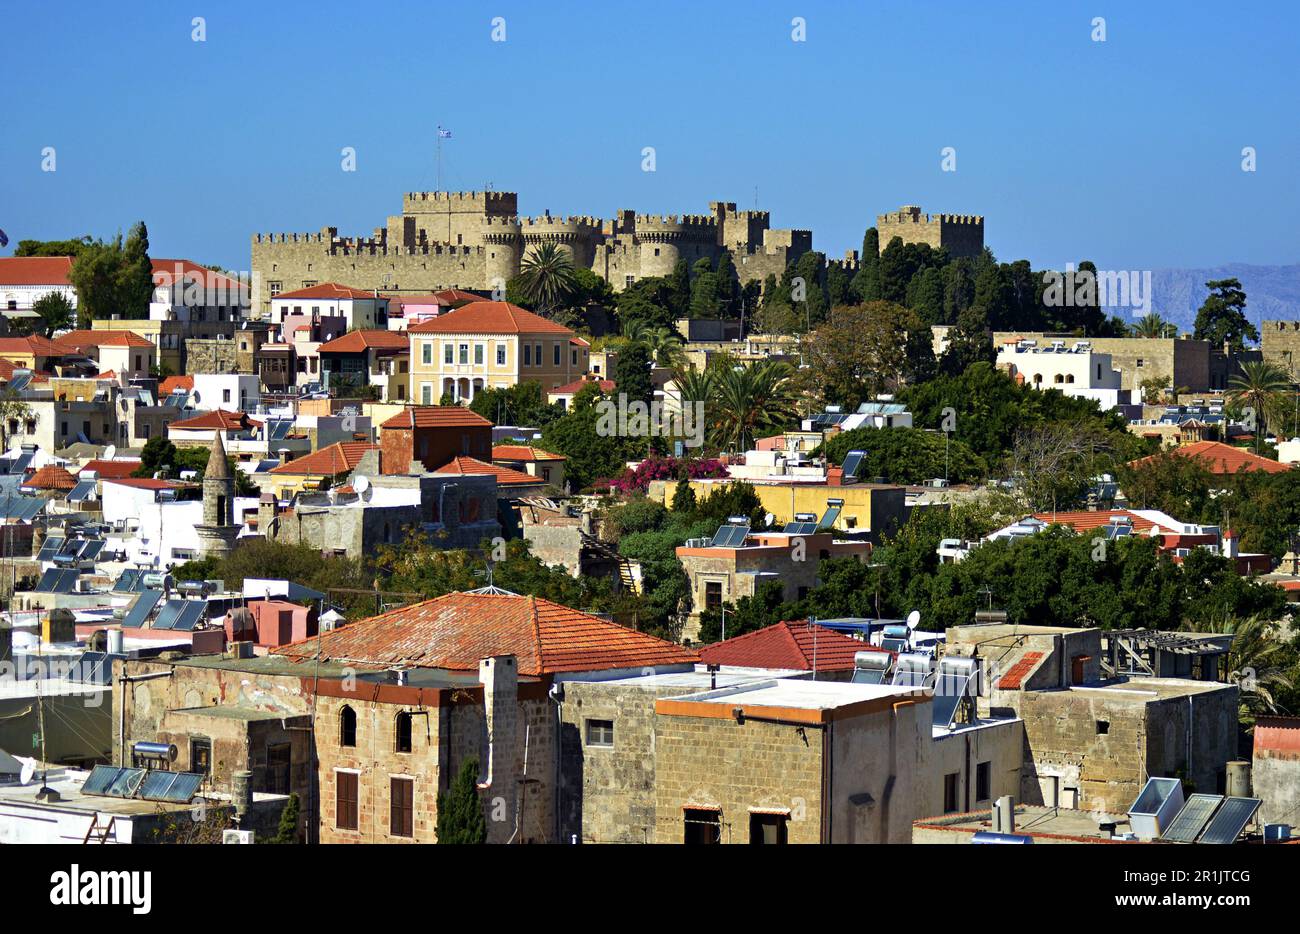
(347, 726)
(1058, 378)
(1069, 377)
(1038, 378)
(402, 728)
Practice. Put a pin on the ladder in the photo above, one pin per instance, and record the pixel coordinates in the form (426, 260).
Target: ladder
(101, 833)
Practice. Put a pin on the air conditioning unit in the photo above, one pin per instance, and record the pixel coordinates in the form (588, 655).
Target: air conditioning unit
(236, 836)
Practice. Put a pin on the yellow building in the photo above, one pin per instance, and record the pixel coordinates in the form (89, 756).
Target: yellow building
(486, 345)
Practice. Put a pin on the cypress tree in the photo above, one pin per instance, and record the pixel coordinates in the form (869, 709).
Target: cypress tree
(460, 812)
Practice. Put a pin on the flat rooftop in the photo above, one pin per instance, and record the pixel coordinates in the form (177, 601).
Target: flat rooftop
(803, 700)
(1032, 820)
(68, 781)
(1148, 689)
(701, 679)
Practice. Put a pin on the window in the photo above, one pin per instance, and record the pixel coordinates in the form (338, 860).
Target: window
(501, 354)
(768, 828)
(537, 354)
(557, 354)
(528, 354)
(275, 288)
(464, 353)
(702, 826)
(347, 726)
(1103, 727)
(225, 395)
(345, 800)
(478, 354)
(201, 756)
(448, 353)
(950, 792)
(573, 357)
(401, 807)
(426, 352)
(279, 757)
(712, 595)
(426, 394)
(600, 732)
(402, 728)
(982, 781)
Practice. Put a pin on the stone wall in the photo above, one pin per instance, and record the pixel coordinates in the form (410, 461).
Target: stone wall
(214, 356)
(959, 234)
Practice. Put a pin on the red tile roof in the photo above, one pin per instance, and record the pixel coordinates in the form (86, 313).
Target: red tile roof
(489, 318)
(436, 416)
(113, 469)
(1083, 519)
(1220, 458)
(468, 466)
(35, 270)
(168, 271)
(31, 344)
(217, 419)
(1016, 674)
(330, 290)
(606, 385)
(340, 457)
(790, 645)
(51, 477)
(455, 631)
(440, 298)
(173, 383)
(373, 339)
(77, 341)
(523, 452)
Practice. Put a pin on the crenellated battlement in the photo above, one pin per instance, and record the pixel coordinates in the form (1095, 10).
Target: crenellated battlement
(960, 234)
(684, 222)
(469, 200)
(293, 238)
(547, 221)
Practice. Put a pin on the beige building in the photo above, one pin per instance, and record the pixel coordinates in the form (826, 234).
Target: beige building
(486, 345)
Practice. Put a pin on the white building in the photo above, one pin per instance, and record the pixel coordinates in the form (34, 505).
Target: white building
(234, 392)
(24, 279)
(156, 529)
(360, 309)
(1075, 369)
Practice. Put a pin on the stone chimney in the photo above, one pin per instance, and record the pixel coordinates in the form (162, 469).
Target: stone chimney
(498, 782)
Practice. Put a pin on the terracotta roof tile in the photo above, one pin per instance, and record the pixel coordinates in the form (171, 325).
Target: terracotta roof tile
(331, 290)
(1083, 519)
(51, 477)
(115, 469)
(216, 419)
(469, 466)
(523, 452)
(606, 385)
(455, 631)
(35, 270)
(1220, 458)
(1016, 674)
(790, 645)
(173, 383)
(78, 341)
(489, 318)
(370, 339)
(436, 416)
(339, 458)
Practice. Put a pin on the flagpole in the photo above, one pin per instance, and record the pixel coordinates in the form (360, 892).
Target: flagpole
(439, 188)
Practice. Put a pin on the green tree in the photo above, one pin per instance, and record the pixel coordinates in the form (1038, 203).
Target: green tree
(905, 455)
(632, 373)
(55, 312)
(1152, 325)
(752, 401)
(287, 832)
(1263, 393)
(546, 277)
(460, 811)
(51, 247)
(1259, 661)
(1221, 318)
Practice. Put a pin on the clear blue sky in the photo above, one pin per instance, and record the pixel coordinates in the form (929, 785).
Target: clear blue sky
(1126, 152)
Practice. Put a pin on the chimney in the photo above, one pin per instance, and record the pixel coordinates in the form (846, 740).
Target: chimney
(1004, 815)
(500, 679)
(243, 794)
(1229, 544)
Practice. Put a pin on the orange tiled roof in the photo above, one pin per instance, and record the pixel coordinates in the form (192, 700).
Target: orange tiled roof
(169, 271)
(606, 385)
(436, 416)
(33, 344)
(173, 383)
(147, 483)
(217, 419)
(35, 270)
(339, 458)
(51, 477)
(470, 467)
(114, 469)
(371, 339)
(455, 631)
(791, 645)
(78, 340)
(326, 290)
(1016, 674)
(1082, 519)
(489, 318)
(523, 452)
(1220, 458)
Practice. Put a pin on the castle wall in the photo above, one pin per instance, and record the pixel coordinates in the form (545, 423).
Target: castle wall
(959, 234)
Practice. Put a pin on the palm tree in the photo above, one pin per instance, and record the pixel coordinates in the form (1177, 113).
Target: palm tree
(751, 400)
(546, 277)
(664, 344)
(1263, 390)
(1153, 325)
(1257, 661)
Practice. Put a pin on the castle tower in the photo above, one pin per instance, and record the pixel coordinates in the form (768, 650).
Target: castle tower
(218, 532)
(502, 244)
(959, 234)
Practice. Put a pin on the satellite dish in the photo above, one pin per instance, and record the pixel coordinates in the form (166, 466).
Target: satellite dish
(360, 484)
(110, 452)
(913, 619)
(28, 771)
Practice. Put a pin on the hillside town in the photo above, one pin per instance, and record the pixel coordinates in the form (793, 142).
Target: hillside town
(639, 529)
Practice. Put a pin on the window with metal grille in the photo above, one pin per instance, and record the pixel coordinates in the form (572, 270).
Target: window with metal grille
(345, 800)
(401, 807)
(279, 759)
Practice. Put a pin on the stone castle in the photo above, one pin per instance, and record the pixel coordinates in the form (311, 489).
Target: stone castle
(959, 234)
(476, 241)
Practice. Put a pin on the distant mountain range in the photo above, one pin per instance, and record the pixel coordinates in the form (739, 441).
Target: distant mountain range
(1272, 292)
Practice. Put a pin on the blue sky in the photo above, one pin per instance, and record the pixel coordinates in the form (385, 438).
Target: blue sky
(1126, 152)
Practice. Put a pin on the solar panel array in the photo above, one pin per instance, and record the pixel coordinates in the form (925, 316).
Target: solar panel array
(954, 682)
(730, 536)
(111, 781)
(141, 609)
(84, 490)
(58, 580)
(912, 671)
(277, 429)
(49, 548)
(800, 528)
(180, 615)
(20, 508)
(1230, 820)
(853, 463)
(1191, 820)
(830, 518)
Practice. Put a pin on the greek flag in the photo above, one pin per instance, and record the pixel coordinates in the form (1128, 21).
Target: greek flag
(444, 134)
(4, 241)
